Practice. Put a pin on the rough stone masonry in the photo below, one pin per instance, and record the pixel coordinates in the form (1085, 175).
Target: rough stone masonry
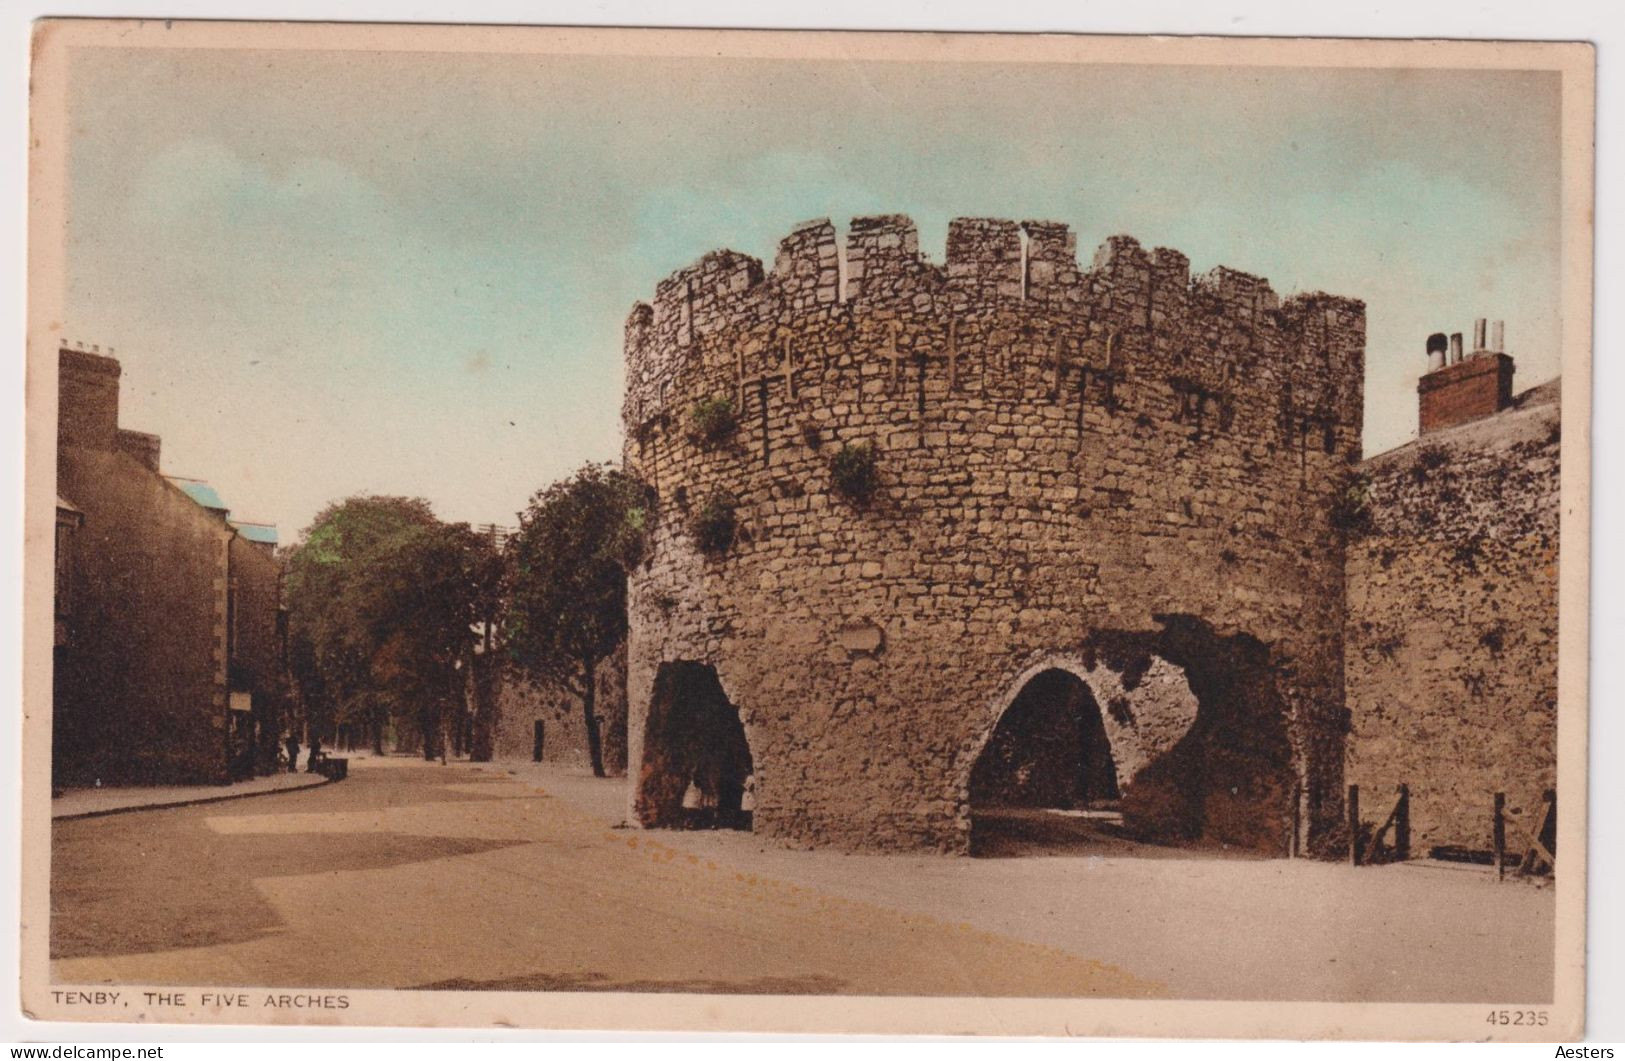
(1451, 637)
(1110, 471)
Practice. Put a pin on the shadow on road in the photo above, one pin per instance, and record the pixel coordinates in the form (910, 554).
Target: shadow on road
(163, 880)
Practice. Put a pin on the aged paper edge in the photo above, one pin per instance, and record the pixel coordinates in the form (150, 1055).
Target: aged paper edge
(54, 39)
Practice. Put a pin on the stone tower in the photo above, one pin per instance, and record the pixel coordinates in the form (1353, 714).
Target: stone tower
(1118, 477)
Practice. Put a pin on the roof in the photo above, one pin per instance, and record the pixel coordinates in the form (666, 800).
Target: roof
(264, 533)
(201, 492)
(1532, 415)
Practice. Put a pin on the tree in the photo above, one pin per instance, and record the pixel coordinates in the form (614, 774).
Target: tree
(382, 599)
(421, 594)
(567, 595)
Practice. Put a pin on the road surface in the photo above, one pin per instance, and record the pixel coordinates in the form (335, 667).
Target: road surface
(418, 875)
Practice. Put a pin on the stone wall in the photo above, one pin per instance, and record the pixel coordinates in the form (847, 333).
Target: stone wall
(522, 703)
(1075, 464)
(1451, 641)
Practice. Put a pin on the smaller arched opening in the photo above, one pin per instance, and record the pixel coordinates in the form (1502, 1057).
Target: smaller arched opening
(697, 768)
(1048, 753)
(1140, 740)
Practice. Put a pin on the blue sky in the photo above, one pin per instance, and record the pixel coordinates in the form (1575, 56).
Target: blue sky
(331, 273)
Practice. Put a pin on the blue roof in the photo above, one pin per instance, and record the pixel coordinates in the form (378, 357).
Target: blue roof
(257, 532)
(201, 492)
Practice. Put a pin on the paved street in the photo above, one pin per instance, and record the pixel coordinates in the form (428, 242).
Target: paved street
(417, 875)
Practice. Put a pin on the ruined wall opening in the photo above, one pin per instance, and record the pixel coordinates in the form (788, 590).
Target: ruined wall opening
(1230, 783)
(1139, 741)
(1048, 753)
(697, 768)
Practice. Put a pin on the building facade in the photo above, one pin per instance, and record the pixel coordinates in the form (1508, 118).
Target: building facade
(159, 601)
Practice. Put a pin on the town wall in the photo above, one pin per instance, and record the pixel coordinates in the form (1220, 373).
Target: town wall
(1451, 637)
(521, 703)
(1111, 468)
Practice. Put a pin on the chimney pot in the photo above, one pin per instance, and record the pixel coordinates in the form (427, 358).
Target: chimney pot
(1436, 345)
(1455, 347)
(1478, 335)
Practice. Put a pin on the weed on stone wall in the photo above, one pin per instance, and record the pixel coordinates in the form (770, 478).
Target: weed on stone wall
(715, 523)
(712, 420)
(1428, 459)
(854, 473)
(1351, 511)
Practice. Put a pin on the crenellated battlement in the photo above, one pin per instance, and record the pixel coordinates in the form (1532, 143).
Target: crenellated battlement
(1009, 315)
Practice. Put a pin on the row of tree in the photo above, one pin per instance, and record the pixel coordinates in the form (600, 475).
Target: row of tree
(397, 620)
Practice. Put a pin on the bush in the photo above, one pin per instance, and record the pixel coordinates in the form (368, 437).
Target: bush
(1351, 510)
(712, 419)
(853, 470)
(714, 523)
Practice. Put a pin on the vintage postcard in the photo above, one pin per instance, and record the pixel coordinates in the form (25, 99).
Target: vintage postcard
(807, 532)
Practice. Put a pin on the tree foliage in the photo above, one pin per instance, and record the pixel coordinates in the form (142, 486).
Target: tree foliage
(382, 601)
(567, 592)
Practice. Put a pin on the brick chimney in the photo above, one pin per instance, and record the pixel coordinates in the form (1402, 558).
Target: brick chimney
(87, 400)
(1470, 388)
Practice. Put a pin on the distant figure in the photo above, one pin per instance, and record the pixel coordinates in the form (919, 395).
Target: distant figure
(293, 754)
(315, 755)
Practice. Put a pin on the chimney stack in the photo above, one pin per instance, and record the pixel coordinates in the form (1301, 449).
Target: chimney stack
(1456, 390)
(1436, 349)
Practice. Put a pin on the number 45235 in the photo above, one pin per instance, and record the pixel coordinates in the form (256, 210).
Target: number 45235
(1527, 1017)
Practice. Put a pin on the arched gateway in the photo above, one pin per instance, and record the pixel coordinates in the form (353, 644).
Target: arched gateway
(887, 496)
(696, 767)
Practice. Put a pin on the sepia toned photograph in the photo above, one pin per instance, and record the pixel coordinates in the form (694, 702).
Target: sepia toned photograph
(806, 532)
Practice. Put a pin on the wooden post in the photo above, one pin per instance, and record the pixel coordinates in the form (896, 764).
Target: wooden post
(1402, 825)
(1354, 825)
(1500, 835)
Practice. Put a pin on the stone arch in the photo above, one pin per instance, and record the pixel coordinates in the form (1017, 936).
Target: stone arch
(697, 766)
(1215, 762)
(1049, 748)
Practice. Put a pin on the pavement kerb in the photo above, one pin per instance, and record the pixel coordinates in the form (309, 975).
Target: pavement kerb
(187, 802)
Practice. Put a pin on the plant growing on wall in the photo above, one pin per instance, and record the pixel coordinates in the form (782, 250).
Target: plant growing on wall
(715, 522)
(712, 419)
(854, 473)
(1351, 510)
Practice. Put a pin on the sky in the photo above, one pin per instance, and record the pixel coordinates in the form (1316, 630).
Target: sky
(331, 273)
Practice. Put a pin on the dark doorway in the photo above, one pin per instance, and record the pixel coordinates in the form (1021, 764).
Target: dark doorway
(1047, 768)
(696, 760)
(537, 742)
(1049, 750)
